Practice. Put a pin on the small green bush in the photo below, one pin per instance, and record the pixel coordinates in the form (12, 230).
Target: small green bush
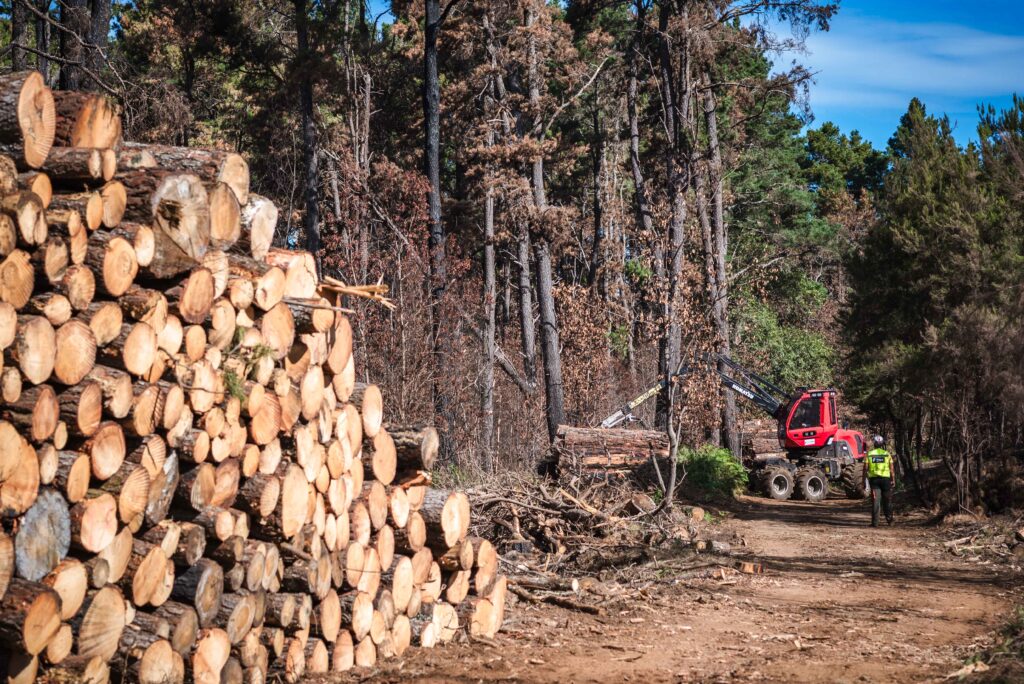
(713, 469)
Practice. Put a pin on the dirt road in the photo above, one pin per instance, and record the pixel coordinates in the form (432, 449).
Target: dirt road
(838, 602)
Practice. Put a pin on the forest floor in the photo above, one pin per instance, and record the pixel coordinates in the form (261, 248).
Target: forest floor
(838, 601)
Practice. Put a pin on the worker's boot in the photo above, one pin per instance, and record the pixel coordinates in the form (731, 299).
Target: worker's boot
(889, 521)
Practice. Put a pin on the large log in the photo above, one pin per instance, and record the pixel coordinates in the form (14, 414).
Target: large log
(416, 449)
(446, 515)
(212, 166)
(86, 120)
(178, 208)
(76, 167)
(201, 586)
(599, 448)
(29, 616)
(43, 537)
(27, 116)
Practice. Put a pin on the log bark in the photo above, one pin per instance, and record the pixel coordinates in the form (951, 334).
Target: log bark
(201, 587)
(416, 449)
(88, 205)
(211, 166)
(36, 411)
(446, 515)
(184, 624)
(598, 449)
(85, 120)
(78, 166)
(116, 386)
(29, 616)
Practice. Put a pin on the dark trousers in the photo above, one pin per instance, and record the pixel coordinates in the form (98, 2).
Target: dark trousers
(881, 494)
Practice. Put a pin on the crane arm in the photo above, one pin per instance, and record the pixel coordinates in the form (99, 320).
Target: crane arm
(766, 395)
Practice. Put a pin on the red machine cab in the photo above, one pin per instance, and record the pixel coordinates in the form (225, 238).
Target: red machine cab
(810, 423)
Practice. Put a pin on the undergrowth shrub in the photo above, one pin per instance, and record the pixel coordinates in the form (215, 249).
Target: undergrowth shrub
(713, 470)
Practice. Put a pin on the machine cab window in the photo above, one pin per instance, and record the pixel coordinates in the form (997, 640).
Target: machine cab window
(807, 414)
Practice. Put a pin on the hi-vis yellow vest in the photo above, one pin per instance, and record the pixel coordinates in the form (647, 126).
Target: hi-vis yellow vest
(879, 463)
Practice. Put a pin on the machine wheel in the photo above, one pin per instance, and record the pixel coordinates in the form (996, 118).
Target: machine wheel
(811, 484)
(852, 479)
(777, 483)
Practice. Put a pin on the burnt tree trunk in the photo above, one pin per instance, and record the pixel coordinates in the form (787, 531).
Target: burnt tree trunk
(720, 248)
(19, 35)
(43, 40)
(309, 153)
(542, 253)
(99, 30)
(74, 17)
(490, 294)
(440, 345)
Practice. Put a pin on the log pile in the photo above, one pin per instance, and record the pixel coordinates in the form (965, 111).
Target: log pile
(759, 440)
(601, 450)
(192, 483)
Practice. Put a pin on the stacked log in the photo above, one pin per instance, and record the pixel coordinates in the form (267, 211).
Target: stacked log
(759, 440)
(192, 484)
(607, 450)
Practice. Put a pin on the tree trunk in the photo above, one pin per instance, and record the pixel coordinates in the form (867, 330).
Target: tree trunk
(597, 161)
(719, 250)
(19, 35)
(675, 103)
(487, 369)
(438, 267)
(43, 40)
(309, 154)
(528, 333)
(545, 281)
(74, 18)
(549, 339)
(99, 31)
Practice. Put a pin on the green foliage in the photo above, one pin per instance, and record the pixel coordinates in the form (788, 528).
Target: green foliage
(713, 469)
(638, 272)
(792, 356)
(234, 385)
(836, 164)
(618, 340)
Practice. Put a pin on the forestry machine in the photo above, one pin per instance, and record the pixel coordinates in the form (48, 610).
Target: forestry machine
(817, 449)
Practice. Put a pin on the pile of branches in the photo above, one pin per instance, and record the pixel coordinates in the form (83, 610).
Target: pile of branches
(586, 543)
(988, 541)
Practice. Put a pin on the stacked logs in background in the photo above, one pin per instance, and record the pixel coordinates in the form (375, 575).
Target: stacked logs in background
(192, 482)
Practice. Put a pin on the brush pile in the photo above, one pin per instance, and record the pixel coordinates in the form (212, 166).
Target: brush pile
(192, 483)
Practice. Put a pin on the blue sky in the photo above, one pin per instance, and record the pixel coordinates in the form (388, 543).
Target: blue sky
(952, 54)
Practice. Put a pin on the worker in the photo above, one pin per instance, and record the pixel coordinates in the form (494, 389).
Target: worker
(880, 477)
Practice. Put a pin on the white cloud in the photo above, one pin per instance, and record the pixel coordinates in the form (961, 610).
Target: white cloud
(864, 60)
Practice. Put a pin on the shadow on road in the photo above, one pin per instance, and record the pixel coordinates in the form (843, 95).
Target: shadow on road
(835, 539)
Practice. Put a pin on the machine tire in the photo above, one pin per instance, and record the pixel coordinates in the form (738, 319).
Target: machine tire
(777, 483)
(852, 479)
(811, 484)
